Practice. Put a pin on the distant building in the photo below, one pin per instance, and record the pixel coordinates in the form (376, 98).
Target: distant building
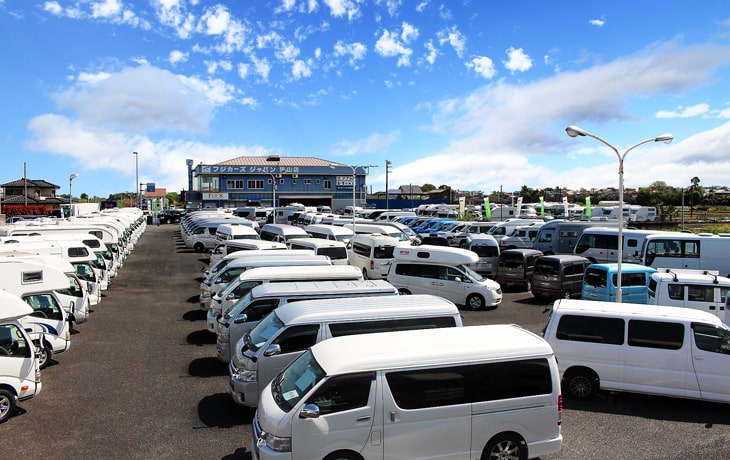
(32, 192)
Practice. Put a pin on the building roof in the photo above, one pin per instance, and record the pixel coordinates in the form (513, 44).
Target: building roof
(158, 193)
(20, 199)
(31, 183)
(282, 161)
(410, 189)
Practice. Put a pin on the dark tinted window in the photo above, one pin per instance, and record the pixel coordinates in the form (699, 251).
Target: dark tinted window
(334, 253)
(383, 252)
(595, 277)
(594, 329)
(297, 338)
(387, 325)
(485, 251)
(362, 249)
(453, 385)
(343, 392)
(656, 334)
(630, 279)
(711, 338)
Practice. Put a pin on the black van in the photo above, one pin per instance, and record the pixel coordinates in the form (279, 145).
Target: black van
(559, 276)
(515, 268)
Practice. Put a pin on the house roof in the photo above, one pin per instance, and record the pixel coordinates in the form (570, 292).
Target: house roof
(31, 183)
(283, 161)
(411, 189)
(20, 199)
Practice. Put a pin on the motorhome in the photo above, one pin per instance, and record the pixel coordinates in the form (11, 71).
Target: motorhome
(291, 329)
(20, 377)
(669, 351)
(442, 271)
(703, 290)
(35, 284)
(600, 282)
(702, 251)
(560, 236)
(265, 298)
(471, 392)
(224, 248)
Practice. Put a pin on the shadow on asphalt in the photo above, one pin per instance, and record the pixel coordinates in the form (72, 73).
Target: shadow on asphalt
(220, 411)
(195, 315)
(194, 299)
(239, 454)
(208, 367)
(201, 337)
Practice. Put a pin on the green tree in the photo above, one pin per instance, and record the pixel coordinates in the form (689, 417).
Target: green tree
(695, 181)
(428, 187)
(172, 198)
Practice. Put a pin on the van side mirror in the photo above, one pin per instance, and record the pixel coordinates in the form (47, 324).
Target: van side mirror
(273, 350)
(242, 318)
(457, 279)
(309, 411)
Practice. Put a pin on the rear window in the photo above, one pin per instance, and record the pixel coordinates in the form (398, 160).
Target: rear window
(383, 252)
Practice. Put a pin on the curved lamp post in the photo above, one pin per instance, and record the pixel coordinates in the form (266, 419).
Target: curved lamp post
(70, 195)
(574, 131)
(354, 183)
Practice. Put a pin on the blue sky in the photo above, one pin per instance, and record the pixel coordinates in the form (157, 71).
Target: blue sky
(474, 94)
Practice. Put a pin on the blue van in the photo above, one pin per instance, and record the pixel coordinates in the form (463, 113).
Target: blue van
(600, 280)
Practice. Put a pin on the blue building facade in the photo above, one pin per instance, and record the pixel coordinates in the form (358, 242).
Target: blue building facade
(275, 181)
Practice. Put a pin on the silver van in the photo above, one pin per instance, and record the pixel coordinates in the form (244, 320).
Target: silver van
(559, 275)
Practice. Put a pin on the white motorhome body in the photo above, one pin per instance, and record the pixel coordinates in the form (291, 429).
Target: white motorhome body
(252, 254)
(232, 271)
(703, 251)
(703, 290)
(442, 271)
(668, 351)
(227, 298)
(288, 331)
(35, 284)
(415, 394)
(506, 227)
(20, 378)
(265, 298)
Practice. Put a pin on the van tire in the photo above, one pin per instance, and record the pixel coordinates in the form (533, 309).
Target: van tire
(567, 294)
(505, 445)
(528, 285)
(343, 455)
(403, 291)
(199, 247)
(7, 405)
(44, 355)
(365, 274)
(475, 302)
(581, 383)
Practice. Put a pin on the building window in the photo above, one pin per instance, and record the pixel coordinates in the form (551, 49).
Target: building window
(307, 181)
(209, 184)
(327, 184)
(294, 182)
(234, 184)
(255, 184)
(317, 182)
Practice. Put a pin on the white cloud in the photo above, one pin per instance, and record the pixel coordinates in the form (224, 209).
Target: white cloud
(422, 6)
(300, 69)
(408, 33)
(53, 8)
(453, 37)
(106, 8)
(685, 112)
(216, 20)
(261, 67)
(242, 70)
(171, 13)
(518, 61)
(432, 52)
(92, 78)
(177, 56)
(374, 143)
(388, 45)
(483, 66)
(356, 51)
(339, 8)
(597, 22)
(391, 5)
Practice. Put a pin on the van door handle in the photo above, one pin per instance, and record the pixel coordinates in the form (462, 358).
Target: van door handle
(363, 418)
(392, 416)
(712, 307)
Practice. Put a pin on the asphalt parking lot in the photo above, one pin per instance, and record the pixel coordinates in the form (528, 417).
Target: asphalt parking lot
(141, 381)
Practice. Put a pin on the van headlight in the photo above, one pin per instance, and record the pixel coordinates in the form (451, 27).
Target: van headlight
(275, 443)
(244, 375)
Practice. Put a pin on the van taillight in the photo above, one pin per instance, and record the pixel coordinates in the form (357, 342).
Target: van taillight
(560, 410)
(372, 264)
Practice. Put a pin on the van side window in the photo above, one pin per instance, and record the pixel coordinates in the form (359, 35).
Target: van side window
(12, 342)
(595, 278)
(699, 293)
(383, 252)
(470, 384)
(386, 325)
(260, 308)
(297, 338)
(676, 291)
(630, 279)
(655, 334)
(591, 329)
(545, 237)
(359, 248)
(343, 393)
(711, 338)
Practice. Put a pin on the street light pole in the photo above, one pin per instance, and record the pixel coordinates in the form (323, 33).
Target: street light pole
(388, 163)
(70, 194)
(574, 131)
(136, 168)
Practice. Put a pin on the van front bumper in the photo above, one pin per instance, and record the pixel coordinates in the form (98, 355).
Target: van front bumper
(243, 392)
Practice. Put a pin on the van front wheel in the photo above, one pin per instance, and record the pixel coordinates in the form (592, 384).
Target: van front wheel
(404, 291)
(7, 405)
(475, 302)
(505, 446)
(582, 383)
(343, 455)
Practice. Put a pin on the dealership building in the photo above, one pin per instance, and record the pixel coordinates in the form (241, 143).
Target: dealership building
(275, 181)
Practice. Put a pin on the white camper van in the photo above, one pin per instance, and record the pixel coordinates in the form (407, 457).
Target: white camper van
(288, 331)
(702, 290)
(471, 392)
(442, 271)
(335, 250)
(263, 299)
(20, 378)
(35, 284)
(668, 351)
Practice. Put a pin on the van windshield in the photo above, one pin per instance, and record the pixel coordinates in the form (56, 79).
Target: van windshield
(296, 381)
(263, 331)
(474, 276)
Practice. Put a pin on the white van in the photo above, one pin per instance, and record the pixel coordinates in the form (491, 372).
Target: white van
(235, 232)
(372, 253)
(281, 232)
(471, 392)
(329, 232)
(442, 271)
(265, 298)
(20, 378)
(335, 250)
(382, 228)
(486, 248)
(703, 290)
(288, 331)
(226, 247)
(668, 351)
(252, 254)
(224, 300)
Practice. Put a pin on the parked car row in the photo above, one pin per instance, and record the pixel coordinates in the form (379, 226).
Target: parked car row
(51, 272)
